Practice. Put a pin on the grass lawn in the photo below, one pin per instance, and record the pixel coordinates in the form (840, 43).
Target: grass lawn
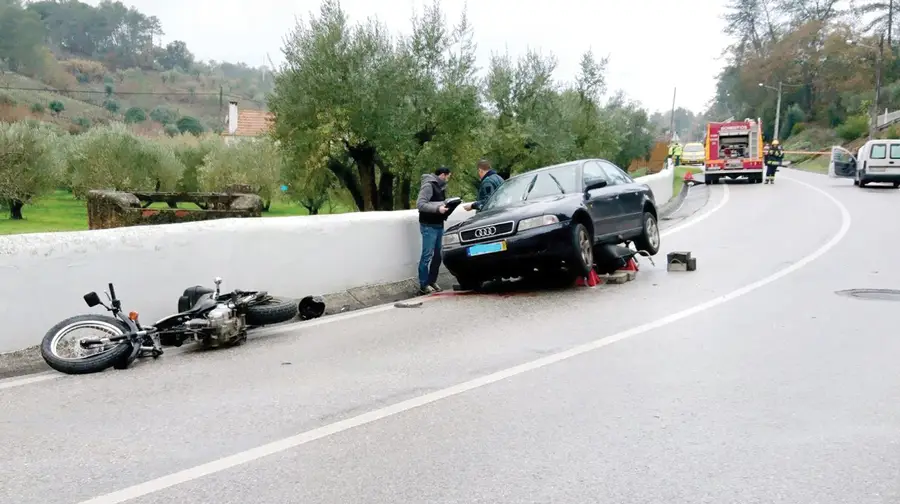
(62, 212)
(818, 164)
(678, 181)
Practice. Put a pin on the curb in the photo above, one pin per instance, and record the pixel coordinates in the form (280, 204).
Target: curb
(672, 206)
(29, 360)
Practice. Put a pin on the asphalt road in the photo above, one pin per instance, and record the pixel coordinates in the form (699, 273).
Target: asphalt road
(746, 381)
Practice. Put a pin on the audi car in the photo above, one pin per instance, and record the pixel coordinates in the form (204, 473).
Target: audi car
(549, 221)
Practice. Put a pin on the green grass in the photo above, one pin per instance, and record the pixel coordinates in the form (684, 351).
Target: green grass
(60, 211)
(678, 181)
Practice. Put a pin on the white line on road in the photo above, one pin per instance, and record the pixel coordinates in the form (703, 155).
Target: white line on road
(286, 328)
(288, 443)
(34, 378)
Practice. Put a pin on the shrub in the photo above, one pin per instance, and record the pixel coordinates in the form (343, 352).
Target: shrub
(92, 70)
(135, 115)
(38, 108)
(855, 127)
(257, 163)
(798, 128)
(113, 158)
(57, 107)
(171, 130)
(83, 122)
(32, 163)
(188, 124)
(111, 105)
(191, 151)
(164, 115)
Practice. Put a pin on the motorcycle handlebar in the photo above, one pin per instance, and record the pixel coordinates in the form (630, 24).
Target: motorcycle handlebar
(112, 291)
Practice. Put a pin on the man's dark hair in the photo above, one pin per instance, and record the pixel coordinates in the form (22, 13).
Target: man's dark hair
(443, 170)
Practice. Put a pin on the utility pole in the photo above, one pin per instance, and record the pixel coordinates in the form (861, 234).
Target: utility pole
(778, 112)
(672, 116)
(878, 63)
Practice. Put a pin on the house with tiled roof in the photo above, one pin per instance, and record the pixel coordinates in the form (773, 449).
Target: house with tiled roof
(246, 124)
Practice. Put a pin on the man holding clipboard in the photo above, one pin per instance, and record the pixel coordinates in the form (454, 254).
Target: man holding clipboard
(434, 209)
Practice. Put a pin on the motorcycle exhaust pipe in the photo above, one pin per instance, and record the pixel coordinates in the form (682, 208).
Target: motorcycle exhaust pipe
(198, 323)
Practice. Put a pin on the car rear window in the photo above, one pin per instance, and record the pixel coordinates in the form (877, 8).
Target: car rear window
(895, 151)
(879, 151)
(693, 148)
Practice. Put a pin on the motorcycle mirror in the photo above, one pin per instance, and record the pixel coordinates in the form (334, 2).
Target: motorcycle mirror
(218, 280)
(92, 299)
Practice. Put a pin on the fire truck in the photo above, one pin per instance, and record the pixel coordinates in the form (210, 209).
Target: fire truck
(734, 149)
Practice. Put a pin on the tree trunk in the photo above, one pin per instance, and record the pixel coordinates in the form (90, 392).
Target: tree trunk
(266, 205)
(386, 191)
(15, 209)
(405, 190)
(348, 179)
(364, 157)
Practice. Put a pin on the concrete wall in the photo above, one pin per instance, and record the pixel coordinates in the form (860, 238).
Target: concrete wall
(45, 275)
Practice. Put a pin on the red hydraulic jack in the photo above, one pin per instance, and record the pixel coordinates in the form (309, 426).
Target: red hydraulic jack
(592, 280)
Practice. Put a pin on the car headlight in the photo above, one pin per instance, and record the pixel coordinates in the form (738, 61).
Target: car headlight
(450, 239)
(535, 222)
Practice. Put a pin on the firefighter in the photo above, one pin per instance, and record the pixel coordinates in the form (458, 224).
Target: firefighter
(773, 157)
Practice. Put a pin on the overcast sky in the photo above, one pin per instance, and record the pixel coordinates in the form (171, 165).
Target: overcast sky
(654, 45)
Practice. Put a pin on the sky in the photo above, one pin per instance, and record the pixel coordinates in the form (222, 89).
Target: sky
(654, 46)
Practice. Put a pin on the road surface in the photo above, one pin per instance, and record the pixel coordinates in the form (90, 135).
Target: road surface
(748, 380)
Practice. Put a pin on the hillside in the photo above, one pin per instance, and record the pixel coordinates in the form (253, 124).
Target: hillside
(46, 58)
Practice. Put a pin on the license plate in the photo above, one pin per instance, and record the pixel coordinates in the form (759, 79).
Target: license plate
(486, 248)
(734, 164)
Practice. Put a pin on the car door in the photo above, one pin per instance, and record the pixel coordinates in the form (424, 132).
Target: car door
(603, 204)
(631, 202)
(842, 164)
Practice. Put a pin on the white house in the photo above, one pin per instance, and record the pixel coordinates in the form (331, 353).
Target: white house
(246, 124)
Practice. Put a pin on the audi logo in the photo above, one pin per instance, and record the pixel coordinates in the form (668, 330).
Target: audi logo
(485, 232)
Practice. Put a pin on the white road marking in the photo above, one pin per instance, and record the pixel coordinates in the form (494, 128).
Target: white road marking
(244, 457)
(286, 328)
(702, 217)
(33, 378)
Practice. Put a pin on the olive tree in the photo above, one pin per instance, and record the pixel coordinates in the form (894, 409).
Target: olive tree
(30, 164)
(257, 163)
(113, 158)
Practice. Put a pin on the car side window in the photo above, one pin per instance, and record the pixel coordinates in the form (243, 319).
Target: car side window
(615, 173)
(879, 151)
(593, 172)
(895, 151)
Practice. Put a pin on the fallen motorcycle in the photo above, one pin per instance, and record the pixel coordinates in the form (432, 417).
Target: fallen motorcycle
(206, 316)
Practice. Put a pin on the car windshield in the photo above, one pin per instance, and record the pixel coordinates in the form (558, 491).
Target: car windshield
(529, 186)
(693, 148)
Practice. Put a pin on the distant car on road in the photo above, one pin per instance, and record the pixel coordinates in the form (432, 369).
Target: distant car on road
(693, 154)
(549, 221)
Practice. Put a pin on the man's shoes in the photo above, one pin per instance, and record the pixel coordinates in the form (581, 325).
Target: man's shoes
(436, 287)
(424, 291)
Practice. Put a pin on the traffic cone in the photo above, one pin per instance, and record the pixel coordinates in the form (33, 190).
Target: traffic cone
(688, 176)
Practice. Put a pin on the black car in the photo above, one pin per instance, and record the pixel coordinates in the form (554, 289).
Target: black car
(549, 221)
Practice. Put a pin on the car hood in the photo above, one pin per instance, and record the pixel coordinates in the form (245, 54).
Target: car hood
(563, 205)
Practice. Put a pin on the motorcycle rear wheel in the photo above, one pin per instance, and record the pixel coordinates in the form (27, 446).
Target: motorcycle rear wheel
(275, 310)
(92, 363)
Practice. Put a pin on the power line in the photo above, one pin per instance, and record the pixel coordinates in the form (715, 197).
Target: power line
(126, 93)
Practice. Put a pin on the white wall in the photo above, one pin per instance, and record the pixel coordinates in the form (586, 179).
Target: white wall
(45, 275)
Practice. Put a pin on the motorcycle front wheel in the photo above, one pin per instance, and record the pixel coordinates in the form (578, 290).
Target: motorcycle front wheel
(85, 360)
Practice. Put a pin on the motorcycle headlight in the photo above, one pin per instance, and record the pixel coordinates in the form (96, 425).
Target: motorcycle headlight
(536, 222)
(450, 239)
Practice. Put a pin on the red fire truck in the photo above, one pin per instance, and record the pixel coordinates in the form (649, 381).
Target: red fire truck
(734, 149)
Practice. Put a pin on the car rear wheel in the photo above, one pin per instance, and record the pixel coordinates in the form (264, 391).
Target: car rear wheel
(582, 251)
(649, 238)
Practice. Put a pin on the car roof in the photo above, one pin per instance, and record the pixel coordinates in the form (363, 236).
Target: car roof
(577, 163)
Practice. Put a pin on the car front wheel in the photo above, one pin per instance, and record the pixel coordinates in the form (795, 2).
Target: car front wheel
(648, 240)
(583, 251)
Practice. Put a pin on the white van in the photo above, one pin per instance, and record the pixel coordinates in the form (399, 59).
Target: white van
(876, 161)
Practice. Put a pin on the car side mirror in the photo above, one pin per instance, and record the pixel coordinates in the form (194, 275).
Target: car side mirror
(595, 184)
(92, 299)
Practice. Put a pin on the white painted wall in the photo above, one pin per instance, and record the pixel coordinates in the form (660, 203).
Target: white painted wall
(45, 275)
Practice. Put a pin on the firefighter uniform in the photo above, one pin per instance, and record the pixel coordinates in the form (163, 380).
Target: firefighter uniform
(773, 157)
(675, 151)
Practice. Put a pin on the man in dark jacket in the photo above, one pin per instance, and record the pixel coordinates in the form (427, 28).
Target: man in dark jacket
(490, 182)
(432, 215)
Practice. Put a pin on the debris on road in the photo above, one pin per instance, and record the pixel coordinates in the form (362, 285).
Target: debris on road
(408, 304)
(681, 261)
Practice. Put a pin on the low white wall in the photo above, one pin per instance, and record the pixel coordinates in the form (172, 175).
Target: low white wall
(45, 275)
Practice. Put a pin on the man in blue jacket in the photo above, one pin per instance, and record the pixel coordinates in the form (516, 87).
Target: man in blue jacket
(432, 215)
(490, 182)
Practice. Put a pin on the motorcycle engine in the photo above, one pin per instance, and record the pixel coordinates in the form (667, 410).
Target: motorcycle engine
(225, 327)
